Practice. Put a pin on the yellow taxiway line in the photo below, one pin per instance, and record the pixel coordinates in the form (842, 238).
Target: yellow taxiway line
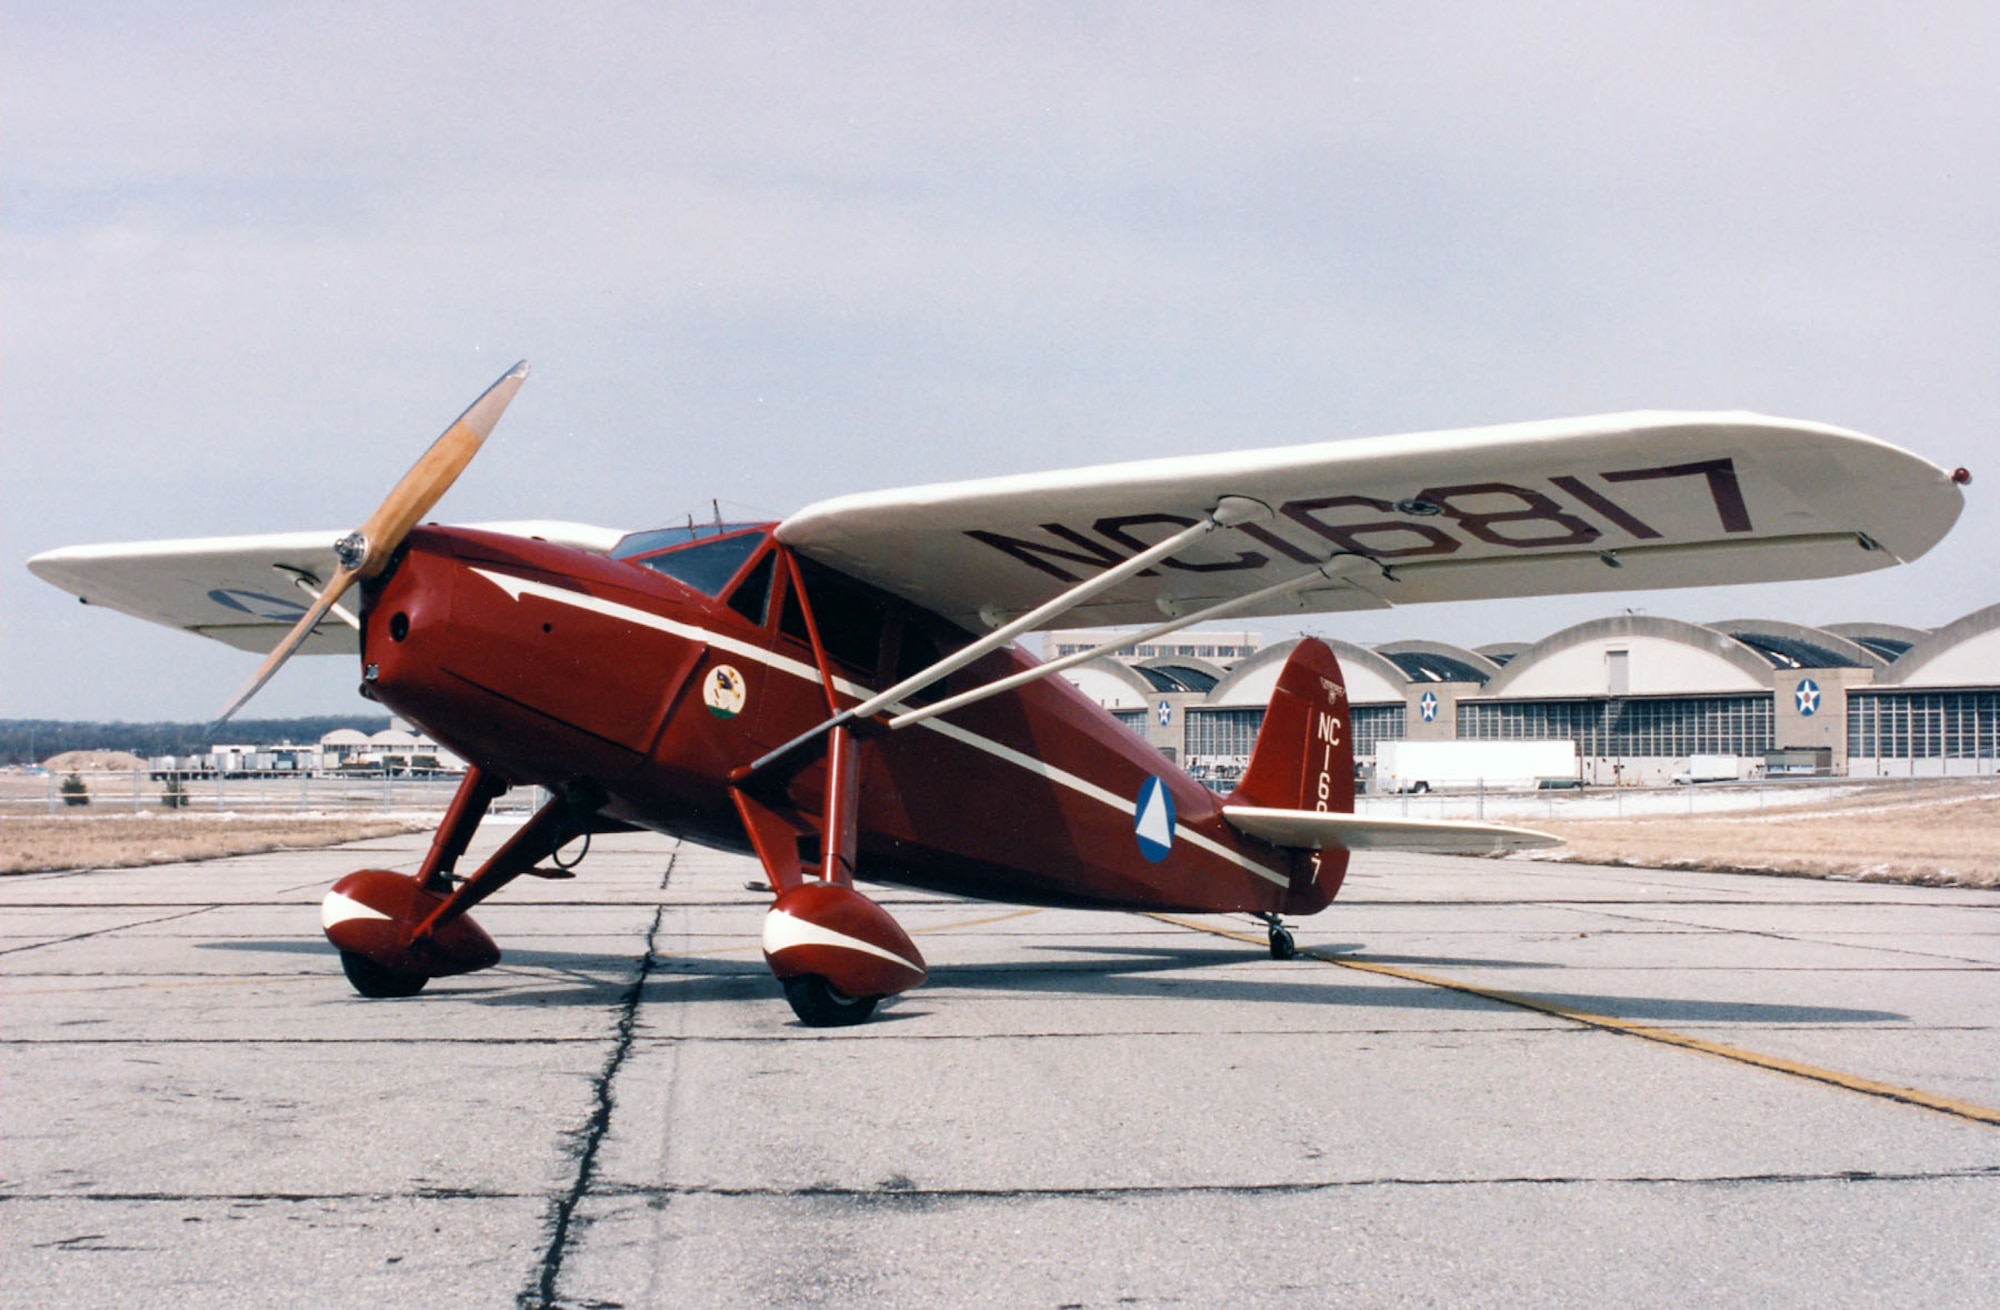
(1646, 1032)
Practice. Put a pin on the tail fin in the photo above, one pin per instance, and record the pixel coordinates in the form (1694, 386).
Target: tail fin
(1304, 757)
(1298, 793)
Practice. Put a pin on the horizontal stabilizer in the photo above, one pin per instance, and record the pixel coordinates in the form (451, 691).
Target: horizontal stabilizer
(1314, 830)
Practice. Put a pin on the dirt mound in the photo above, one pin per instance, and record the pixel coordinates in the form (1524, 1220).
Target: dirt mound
(93, 762)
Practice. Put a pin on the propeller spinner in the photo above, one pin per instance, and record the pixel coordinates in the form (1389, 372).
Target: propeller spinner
(366, 551)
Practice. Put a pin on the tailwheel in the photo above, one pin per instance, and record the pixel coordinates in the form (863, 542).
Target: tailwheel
(1282, 945)
(376, 982)
(818, 1005)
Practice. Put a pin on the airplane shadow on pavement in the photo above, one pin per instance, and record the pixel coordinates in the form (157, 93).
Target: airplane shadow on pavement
(596, 978)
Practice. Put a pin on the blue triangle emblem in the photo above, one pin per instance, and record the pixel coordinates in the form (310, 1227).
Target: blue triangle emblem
(1153, 821)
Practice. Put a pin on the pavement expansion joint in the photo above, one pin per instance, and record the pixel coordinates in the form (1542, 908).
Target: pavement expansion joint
(903, 1191)
(99, 932)
(1805, 938)
(584, 1143)
(274, 1198)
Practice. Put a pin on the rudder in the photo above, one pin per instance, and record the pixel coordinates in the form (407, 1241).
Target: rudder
(1304, 757)
(1304, 760)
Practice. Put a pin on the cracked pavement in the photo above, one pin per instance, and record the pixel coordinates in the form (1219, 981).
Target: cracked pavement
(1079, 1109)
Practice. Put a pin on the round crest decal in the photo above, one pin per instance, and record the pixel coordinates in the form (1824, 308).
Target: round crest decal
(724, 692)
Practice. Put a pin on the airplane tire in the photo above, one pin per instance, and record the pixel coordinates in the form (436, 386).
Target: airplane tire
(377, 983)
(818, 1005)
(1282, 945)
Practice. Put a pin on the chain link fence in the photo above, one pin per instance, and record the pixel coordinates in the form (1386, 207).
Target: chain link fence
(142, 790)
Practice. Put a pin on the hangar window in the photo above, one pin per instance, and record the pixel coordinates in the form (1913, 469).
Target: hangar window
(1175, 677)
(1233, 730)
(1952, 725)
(1434, 666)
(1791, 652)
(1666, 726)
(1889, 648)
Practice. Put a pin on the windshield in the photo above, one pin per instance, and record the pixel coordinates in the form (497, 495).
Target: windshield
(633, 544)
(707, 566)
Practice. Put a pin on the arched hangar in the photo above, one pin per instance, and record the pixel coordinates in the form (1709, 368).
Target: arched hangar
(1640, 695)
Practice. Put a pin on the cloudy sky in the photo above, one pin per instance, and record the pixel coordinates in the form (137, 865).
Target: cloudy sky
(254, 257)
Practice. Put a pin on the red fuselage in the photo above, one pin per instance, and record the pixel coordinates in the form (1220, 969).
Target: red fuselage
(546, 665)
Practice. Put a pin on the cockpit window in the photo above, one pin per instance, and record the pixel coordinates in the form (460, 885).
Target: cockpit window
(915, 653)
(634, 544)
(707, 566)
(850, 621)
(752, 597)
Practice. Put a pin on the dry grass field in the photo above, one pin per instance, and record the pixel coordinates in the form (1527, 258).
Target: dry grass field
(35, 844)
(1943, 834)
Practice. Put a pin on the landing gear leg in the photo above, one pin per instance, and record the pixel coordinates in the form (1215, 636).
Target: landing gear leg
(1282, 945)
(836, 952)
(395, 933)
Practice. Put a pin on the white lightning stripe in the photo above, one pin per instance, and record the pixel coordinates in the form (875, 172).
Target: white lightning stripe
(339, 908)
(1041, 768)
(518, 586)
(1123, 804)
(783, 931)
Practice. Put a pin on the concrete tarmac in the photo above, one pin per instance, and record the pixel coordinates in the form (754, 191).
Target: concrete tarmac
(1080, 1109)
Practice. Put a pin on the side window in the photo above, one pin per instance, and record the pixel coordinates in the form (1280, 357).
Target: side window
(792, 619)
(851, 622)
(752, 597)
(915, 652)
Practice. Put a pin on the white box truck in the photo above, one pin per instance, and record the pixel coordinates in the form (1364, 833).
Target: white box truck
(1716, 768)
(1426, 766)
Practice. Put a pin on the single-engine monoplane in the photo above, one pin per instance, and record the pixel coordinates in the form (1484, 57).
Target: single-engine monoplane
(842, 694)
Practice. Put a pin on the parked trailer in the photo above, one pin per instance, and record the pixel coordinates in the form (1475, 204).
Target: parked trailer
(1425, 766)
(1717, 768)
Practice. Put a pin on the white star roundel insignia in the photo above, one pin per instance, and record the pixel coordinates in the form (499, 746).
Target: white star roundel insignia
(1428, 706)
(1153, 821)
(1808, 697)
(724, 692)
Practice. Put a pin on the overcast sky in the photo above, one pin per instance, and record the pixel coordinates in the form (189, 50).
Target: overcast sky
(254, 257)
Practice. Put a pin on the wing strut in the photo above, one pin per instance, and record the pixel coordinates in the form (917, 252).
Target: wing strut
(1332, 571)
(1229, 512)
(312, 586)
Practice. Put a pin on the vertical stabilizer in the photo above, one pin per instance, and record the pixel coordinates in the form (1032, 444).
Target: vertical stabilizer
(1304, 758)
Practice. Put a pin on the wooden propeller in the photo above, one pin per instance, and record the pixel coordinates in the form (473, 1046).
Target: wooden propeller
(366, 551)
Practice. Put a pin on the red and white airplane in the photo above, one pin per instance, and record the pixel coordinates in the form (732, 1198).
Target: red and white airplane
(841, 693)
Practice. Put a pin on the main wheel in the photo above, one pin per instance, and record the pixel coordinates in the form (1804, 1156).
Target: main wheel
(819, 1006)
(1282, 945)
(377, 983)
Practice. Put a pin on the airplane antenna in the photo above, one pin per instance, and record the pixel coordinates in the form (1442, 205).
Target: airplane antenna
(715, 504)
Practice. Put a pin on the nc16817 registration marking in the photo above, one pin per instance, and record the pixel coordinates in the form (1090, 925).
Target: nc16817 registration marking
(1435, 521)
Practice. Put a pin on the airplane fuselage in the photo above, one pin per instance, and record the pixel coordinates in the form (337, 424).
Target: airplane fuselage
(552, 666)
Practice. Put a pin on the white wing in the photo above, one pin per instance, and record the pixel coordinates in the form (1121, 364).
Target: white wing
(1619, 502)
(241, 590)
